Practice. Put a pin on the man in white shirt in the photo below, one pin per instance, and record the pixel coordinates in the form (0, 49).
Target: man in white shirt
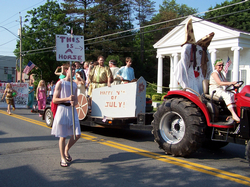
(114, 69)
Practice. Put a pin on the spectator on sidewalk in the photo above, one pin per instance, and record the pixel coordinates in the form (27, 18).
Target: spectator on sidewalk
(31, 94)
(41, 95)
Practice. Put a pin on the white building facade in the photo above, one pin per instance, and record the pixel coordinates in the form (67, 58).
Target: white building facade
(226, 43)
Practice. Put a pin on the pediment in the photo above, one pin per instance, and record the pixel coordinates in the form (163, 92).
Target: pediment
(201, 28)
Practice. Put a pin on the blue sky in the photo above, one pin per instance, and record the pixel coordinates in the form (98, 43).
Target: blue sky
(10, 16)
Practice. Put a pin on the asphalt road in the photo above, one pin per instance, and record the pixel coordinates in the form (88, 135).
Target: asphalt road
(29, 156)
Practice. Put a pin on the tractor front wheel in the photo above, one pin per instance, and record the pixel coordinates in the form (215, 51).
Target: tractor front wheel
(179, 127)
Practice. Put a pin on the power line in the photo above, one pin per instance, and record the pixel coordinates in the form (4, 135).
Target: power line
(21, 11)
(151, 30)
(9, 31)
(8, 42)
(167, 21)
(65, 24)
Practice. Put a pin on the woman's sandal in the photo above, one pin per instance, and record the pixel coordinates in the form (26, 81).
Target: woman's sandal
(236, 120)
(63, 164)
(230, 117)
(68, 158)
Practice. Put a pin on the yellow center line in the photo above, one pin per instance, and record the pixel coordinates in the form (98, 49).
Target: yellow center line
(163, 158)
(25, 119)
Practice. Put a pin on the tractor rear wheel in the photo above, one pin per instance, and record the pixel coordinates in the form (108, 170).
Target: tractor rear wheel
(179, 127)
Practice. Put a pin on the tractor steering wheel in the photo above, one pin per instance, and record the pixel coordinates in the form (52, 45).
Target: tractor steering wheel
(233, 87)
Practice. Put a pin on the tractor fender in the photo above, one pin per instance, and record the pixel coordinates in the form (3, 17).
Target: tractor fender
(192, 97)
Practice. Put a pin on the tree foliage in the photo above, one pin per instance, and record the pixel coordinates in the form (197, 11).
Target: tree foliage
(108, 29)
(102, 17)
(233, 16)
(41, 26)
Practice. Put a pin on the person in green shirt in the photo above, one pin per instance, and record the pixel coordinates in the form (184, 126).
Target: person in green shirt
(61, 74)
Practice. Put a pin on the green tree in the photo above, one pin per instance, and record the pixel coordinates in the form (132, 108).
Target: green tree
(102, 17)
(79, 12)
(180, 10)
(168, 12)
(144, 11)
(116, 58)
(233, 16)
(38, 41)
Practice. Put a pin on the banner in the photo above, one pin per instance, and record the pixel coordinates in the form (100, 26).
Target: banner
(21, 100)
(119, 101)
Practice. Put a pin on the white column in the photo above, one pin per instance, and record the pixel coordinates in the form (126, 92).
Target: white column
(236, 62)
(213, 56)
(171, 72)
(174, 61)
(159, 73)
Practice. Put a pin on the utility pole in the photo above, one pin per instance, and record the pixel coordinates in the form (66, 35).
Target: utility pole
(20, 34)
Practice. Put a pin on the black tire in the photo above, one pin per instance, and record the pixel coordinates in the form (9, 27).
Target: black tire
(179, 127)
(247, 152)
(48, 116)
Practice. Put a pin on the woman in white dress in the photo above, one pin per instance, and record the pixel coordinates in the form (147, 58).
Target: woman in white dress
(80, 83)
(218, 83)
(63, 122)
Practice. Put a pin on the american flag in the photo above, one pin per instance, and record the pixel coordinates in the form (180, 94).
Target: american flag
(229, 62)
(29, 67)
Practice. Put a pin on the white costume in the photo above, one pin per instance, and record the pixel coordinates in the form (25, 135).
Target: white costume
(114, 70)
(81, 89)
(188, 74)
(63, 123)
(227, 96)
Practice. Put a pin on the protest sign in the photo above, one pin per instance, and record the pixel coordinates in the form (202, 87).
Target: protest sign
(70, 48)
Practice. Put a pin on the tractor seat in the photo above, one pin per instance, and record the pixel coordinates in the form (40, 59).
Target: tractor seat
(205, 85)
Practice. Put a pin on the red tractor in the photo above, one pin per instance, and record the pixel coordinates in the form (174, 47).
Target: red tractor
(185, 121)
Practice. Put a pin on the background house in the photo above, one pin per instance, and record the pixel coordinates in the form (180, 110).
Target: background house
(227, 42)
(8, 72)
(7, 68)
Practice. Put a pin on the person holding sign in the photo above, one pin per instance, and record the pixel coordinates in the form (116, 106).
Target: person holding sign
(63, 122)
(10, 93)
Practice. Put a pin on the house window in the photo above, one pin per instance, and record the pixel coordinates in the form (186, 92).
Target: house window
(13, 70)
(5, 70)
(243, 76)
